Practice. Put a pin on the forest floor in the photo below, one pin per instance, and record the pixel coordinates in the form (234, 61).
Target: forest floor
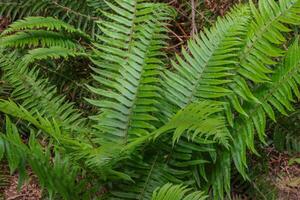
(284, 174)
(283, 179)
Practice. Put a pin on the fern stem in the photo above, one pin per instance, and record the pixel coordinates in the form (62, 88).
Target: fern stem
(148, 177)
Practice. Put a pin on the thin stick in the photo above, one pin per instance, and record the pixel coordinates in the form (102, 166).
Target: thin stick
(194, 28)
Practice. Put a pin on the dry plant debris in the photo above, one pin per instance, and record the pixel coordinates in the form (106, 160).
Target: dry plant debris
(29, 191)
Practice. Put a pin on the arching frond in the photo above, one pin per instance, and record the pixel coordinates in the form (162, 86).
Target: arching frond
(128, 65)
(264, 36)
(50, 171)
(54, 52)
(176, 192)
(37, 95)
(198, 120)
(204, 72)
(82, 151)
(82, 13)
(48, 23)
(262, 44)
(276, 96)
(36, 38)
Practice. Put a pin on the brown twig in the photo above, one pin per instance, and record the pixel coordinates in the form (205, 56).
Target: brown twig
(194, 28)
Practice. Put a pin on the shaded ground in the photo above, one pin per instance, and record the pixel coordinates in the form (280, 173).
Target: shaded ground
(29, 191)
(284, 174)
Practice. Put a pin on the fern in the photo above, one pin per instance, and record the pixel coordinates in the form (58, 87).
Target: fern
(176, 192)
(35, 38)
(275, 96)
(30, 32)
(100, 160)
(37, 94)
(42, 22)
(166, 167)
(264, 36)
(54, 52)
(82, 14)
(204, 72)
(194, 120)
(129, 67)
(286, 135)
(50, 175)
(154, 126)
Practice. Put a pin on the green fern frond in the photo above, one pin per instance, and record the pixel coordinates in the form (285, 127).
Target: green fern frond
(265, 36)
(176, 192)
(50, 172)
(48, 23)
(129, 68)
(37, 95)
(276, 96)
(15, 9)
(54, 52)
(99, 160)
(148, 175)
(261, 45)
(198, 120)
(206, 68)
(81, 13)
(200, 123)
(36, 38)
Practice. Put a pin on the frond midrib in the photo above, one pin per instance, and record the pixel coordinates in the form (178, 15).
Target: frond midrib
(249, 47)
(272, 90)
(126, 61)
(148, 177)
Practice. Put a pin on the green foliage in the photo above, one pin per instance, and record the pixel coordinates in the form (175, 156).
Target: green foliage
(197, 121)
(83, 14)
(128, 65)
(37, 94)
(176, 192)
(154, 126)
(51, 173)
(31, 32)
(286, 135)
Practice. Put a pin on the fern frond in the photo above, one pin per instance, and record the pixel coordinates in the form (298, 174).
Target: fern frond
(176, 192)
(48, 23)
(81, 14)
(275, 96)
(37, 94)
(99, 160)
(198, 120)
(261, 45)
(129, 68)
(50, 172)
(15, 9)
(54, 52)
(204, 72)
(265, 36)
(36, 38)
(148, 174)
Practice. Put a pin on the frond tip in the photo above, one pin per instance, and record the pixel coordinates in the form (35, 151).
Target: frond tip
(176, 192)
(199, 119)
(49, 23)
